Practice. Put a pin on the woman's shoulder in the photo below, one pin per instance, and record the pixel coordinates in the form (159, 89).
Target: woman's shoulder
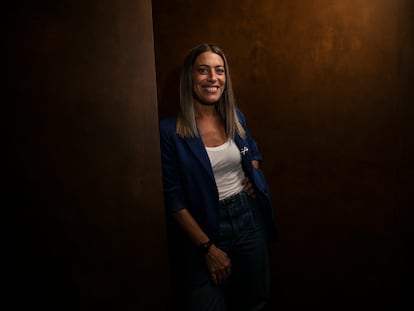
(168, 129)
(240, 116)
(168, 123)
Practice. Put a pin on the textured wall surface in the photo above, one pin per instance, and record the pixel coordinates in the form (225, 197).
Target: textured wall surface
(85, 222)
(326, 87)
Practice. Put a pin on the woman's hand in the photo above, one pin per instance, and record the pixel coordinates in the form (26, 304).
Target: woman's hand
(218, 264)
(248, 187)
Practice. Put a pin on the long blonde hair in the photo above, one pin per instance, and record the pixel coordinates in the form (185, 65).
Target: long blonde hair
(226, 106)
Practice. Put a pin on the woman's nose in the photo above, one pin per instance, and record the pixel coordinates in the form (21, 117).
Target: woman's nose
(212, 76)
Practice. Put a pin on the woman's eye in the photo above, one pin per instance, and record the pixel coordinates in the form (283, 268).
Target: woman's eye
(202, 70)
(220, 71)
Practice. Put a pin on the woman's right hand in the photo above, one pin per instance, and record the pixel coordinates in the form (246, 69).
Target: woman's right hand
(219, 265)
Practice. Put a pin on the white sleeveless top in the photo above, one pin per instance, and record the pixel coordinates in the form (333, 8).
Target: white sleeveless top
(228, 172)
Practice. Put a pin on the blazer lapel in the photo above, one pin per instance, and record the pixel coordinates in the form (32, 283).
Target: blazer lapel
(197, 147)
(244, 151)
(242, 146)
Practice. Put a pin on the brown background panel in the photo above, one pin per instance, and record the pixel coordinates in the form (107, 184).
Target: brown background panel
(326, 87)
(84, 212)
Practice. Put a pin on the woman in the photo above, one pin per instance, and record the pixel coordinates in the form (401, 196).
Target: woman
(217, 200)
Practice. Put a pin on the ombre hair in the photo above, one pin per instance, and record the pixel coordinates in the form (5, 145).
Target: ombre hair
(226, 106)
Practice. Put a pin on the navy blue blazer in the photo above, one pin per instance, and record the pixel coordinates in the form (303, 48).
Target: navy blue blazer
(188, 182)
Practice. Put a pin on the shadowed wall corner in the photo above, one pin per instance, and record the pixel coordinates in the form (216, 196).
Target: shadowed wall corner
(83, 200)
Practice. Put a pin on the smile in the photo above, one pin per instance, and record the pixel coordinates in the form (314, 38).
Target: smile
(211, 89)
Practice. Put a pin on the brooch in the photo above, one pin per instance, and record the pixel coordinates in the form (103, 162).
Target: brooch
(244, 150)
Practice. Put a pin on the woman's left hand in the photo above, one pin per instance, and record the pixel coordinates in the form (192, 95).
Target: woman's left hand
(248, 187)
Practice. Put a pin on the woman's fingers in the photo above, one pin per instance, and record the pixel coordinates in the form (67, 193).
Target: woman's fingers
(218, 264)
(248, 187)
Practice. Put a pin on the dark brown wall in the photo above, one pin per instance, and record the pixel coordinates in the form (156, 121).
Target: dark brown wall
(83, 203)
(326, 87)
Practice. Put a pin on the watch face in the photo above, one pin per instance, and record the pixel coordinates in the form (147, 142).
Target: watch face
(206, 246)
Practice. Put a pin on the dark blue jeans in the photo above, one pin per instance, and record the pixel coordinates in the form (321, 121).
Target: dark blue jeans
(243, 237)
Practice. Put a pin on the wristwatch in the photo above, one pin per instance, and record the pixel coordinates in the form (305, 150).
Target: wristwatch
(205, 246)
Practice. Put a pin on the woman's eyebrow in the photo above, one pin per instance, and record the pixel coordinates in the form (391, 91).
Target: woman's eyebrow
(203, 65)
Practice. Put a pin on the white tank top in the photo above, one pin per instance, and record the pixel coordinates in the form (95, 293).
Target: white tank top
(226, 163)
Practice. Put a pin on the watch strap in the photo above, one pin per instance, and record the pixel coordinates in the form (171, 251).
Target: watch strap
(204, 247)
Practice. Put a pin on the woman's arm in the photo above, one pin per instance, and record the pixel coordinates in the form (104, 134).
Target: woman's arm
(218, 263)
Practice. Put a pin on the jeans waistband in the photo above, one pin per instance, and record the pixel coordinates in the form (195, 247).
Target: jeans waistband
(233, 198)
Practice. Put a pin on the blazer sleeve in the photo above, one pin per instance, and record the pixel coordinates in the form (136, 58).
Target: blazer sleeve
(171, 176)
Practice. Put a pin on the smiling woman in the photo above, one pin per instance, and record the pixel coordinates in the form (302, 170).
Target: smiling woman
(209, 78)
(217, 200)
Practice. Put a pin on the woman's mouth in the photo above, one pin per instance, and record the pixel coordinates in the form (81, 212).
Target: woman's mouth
(211, 89)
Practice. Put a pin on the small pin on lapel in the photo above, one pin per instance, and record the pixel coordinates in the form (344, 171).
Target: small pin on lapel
(244, 150)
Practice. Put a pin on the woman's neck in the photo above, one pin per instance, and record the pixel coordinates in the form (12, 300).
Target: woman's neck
(204, 111)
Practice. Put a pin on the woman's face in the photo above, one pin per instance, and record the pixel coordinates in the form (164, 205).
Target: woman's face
(209, 78)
